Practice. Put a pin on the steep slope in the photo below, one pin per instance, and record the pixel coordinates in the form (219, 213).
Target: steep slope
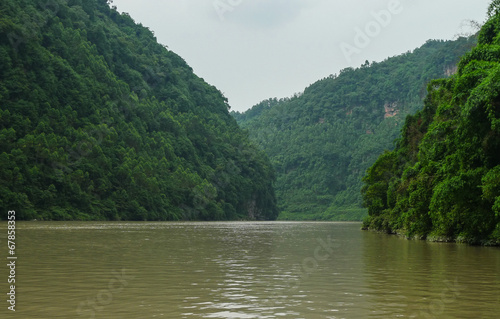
(322, 142)
(442, 182)
(99, 121)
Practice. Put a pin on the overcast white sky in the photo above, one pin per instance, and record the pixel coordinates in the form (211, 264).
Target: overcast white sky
(252, 50)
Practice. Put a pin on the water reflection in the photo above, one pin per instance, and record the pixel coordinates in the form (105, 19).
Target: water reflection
(418, 279)
(246, 270)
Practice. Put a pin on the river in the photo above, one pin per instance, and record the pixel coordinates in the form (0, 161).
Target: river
(243, 270)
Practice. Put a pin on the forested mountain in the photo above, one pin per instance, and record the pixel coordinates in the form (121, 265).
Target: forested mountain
(322, 142)
(442, 182)
(99, 121)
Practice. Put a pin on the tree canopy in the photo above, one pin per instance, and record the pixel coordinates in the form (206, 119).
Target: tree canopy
(442, 182)
(100, 121)
(322, 142)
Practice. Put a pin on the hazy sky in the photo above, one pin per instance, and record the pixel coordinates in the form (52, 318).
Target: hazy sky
(252, 50)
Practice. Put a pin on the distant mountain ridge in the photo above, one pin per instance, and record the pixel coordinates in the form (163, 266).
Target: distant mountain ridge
(322, 142)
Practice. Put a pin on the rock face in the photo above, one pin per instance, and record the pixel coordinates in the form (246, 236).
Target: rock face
(449, 71)
(391, 109)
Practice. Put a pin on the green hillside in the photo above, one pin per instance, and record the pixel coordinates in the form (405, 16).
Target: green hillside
(442, 182)
(99, 121)
(322, 142)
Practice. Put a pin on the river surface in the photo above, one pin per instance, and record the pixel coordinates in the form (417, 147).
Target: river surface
(243, 270)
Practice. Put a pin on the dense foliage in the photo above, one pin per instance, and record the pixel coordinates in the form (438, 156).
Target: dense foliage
(442, 182)
(322, 142)
(99, 121)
